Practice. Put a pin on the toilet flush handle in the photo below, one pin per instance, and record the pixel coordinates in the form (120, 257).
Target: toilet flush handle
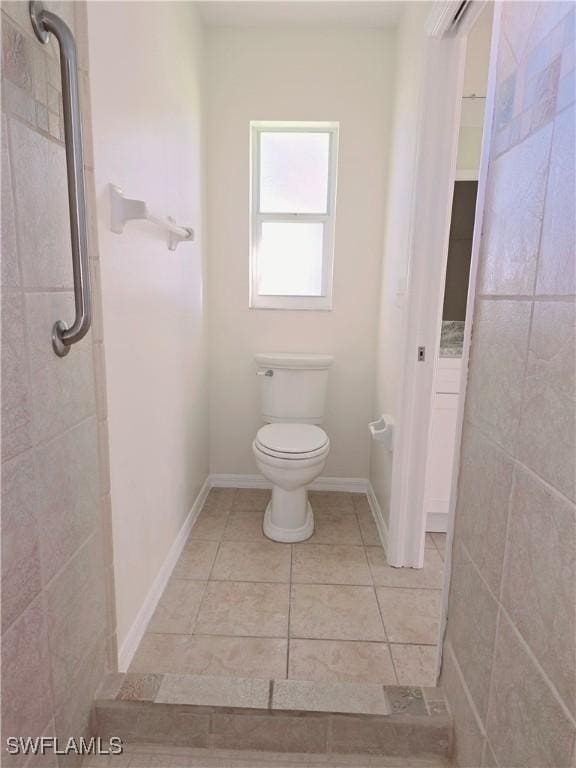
(268, 372)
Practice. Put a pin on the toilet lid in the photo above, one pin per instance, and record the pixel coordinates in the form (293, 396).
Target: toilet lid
(291, 438)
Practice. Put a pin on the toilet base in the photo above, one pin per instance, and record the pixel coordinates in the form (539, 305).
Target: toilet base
(281, 518)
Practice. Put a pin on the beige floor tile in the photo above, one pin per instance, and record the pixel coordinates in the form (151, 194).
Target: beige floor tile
(334, 613)
(251, 499)
(244, 525)
(331, 500)
(250, 609)
(162, 653)
(221, 498)
(410, 615)
(239, 619)
(327, 564)
(251, 657)
(312, 696)
(213, 691)
(368, 527)
(429, 577)
(252, 561)
(335, 526)
(340, 661)
(138, 686)
(257, 657)
(178, 607)
(148, 756)
(439, 540)
(360, 501)
(210, 523)
(196, 560)
(415, 664)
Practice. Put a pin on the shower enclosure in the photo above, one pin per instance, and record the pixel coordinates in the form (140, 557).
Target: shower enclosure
(58, 625)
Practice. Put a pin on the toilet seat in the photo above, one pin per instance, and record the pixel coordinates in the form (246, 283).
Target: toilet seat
(292, 441)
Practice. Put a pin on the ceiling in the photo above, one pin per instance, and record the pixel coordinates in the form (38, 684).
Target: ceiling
(300, 13)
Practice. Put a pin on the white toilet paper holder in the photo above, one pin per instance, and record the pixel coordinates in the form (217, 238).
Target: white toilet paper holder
(382, 430)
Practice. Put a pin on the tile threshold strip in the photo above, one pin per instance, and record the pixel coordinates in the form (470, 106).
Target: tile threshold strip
(246, 713)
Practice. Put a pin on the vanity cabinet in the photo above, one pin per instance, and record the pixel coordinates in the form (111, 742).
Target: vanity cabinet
(442, 443)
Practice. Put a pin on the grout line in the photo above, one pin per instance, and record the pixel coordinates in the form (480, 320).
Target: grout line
(534, 659)
(289, 612)
(394, 670)
(416, 645)
(465, 689)
(282, 637)
(494, 443)
(197, 614)
(363, 585)
(369, 566)
(9, 120)
(542, 220)
(288, 638)
(47, 441)
(308, 543)
(204, 593)
(33, 126)
(562, 298)
(527, 649)
(40, 290)
(485, 747)
(213, 565)
(380, 614)
(499, 596)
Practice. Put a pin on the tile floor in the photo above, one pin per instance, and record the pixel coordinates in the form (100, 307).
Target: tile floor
(328, 609)
(161, 757)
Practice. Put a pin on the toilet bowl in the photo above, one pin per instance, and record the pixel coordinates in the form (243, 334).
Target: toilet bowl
(290, 456)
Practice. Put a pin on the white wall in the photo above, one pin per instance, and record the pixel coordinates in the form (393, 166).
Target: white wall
(146, 96)
(315, 74)
(411, 38)
(475, 82)
(478, 54)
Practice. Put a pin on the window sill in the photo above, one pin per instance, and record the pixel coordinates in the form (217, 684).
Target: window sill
(292, 303)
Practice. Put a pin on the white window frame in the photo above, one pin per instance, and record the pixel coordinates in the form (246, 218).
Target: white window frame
(263, 301)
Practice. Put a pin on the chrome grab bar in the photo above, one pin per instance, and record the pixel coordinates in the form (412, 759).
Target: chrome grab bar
(44, 22)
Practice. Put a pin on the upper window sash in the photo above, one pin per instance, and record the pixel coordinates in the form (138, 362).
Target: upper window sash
(325, 129)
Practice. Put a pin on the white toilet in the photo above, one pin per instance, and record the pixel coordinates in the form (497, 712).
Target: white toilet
(291, 450)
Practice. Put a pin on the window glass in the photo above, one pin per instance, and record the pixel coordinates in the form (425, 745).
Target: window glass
(290, 259)
(294, 172)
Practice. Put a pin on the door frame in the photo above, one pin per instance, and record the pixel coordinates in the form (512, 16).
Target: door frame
(443, 80)
(470, 305)
(439, 122)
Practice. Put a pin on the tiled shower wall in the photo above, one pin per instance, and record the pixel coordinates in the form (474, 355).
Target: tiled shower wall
(509, 661)
(58, 626)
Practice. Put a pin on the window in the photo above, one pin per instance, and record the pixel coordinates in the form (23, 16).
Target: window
(293, 196)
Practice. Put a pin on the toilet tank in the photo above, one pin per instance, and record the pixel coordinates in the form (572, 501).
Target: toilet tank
(293, 386)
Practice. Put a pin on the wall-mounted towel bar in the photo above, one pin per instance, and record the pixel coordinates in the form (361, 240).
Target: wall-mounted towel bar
(123, 209)
(44, 22)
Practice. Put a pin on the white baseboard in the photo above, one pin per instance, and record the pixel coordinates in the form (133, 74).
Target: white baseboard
(378, 517)
(437, 522)
(138, 628)
(346, 484)
(349, 484)
(238, 481)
